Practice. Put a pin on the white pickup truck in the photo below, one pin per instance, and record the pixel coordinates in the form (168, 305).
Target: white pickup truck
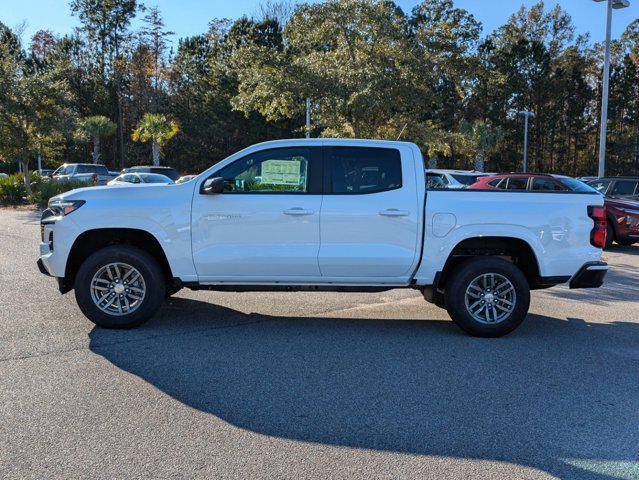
(321, 214)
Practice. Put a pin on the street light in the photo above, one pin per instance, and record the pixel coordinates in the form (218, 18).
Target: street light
(616, 4)
(308, 117)
(526, 115)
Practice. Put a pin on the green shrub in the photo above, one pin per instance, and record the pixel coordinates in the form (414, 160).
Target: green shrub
(43, 189)
(12, 189)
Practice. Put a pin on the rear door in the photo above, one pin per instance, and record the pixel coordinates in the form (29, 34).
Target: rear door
(370, 213)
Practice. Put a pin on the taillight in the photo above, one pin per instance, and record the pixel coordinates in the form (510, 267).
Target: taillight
(95, 178)
(598, 232)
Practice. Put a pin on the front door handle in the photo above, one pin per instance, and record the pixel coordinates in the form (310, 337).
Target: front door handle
(298, 211)
(393, 212)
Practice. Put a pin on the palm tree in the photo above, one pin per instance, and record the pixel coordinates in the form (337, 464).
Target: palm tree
(94, 128)
(482, 139)
(157, 128)
(438, 142)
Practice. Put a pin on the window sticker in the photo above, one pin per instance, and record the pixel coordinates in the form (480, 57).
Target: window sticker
(281, 172)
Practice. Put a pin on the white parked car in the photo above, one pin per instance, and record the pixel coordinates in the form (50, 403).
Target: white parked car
(139, 178)
(321, 214)
(3, 175)
(439, 178)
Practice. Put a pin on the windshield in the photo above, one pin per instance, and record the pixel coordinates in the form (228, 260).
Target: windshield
(63, 170)
(466, 179)
(577, 185)
(599, 185)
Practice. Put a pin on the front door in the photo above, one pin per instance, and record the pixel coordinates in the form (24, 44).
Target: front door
(266, 222)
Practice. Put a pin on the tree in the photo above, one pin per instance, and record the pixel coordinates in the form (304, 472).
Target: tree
(35, 114)
(155, 37)
(447, 39)
(106, 25)
(353, 59)
(482, 139)
(94, 128)
(158, 129)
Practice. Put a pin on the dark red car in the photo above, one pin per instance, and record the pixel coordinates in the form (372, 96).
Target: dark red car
(536, 182)
(622, 214)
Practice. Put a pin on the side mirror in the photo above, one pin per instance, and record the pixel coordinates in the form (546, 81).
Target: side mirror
(212, 186)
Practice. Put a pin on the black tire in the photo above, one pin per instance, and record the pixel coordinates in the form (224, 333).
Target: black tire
(626, 242)
(137, 258)
(610, 234)
(463, 276)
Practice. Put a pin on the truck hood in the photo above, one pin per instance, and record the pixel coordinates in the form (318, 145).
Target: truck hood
(118, 192)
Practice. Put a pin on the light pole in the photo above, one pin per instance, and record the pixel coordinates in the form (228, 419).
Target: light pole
(616, 4)
(527, 114)
(308, 117)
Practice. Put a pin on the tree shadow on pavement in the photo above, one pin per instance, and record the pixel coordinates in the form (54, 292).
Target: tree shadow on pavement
(558, 395)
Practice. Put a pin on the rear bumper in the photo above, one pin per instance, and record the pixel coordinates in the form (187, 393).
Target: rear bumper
(590, 275)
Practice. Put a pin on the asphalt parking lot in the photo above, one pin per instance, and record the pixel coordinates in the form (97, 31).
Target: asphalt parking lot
(279, 385)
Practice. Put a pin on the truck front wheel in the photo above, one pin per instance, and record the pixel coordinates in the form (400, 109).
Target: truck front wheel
(119, 286)
(487, 297)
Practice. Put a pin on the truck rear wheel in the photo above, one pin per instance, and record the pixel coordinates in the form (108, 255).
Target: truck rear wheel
(119, 287)
(487, 297)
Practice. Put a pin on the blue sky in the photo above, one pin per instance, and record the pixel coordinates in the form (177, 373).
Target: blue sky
(190, 17)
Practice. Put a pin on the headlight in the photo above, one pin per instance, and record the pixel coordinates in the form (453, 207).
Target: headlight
(64, 207)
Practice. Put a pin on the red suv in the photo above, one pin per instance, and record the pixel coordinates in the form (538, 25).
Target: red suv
(622, 214)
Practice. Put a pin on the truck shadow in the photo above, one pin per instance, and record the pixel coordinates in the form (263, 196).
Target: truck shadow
(558, 395)
(627, 249)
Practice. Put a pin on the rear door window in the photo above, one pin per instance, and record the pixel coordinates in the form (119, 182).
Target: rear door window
(546, 185)
(517, 183)
(98, 169)
(361, 170)
(624, 187)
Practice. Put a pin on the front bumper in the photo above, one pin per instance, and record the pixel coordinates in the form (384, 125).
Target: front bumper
(590, 275)
(42, 268)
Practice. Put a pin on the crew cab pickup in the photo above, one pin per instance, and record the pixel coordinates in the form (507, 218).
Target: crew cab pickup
(82, 172)
(321, 214)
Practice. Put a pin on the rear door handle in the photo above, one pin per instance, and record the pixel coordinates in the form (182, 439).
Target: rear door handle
(298, 211)
(393, 212)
